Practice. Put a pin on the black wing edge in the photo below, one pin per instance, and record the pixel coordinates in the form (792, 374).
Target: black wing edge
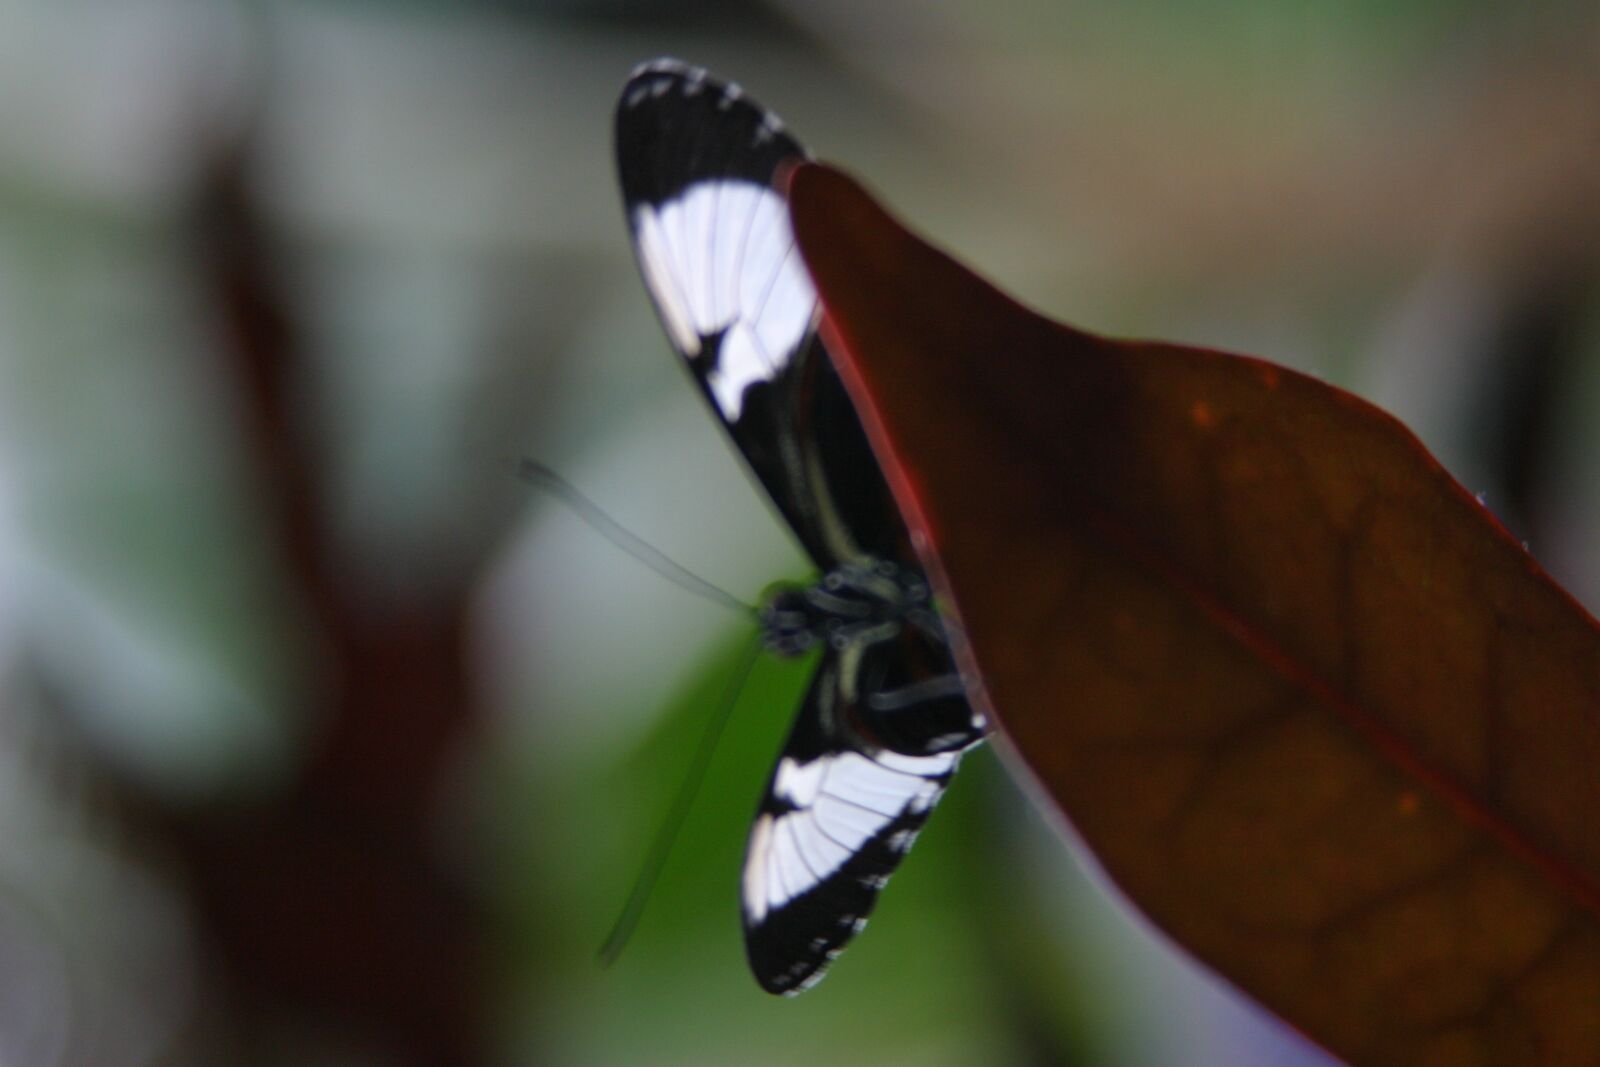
(677, 124)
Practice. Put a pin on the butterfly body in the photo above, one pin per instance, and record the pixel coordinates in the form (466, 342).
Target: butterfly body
(853, 605)
(885, 720)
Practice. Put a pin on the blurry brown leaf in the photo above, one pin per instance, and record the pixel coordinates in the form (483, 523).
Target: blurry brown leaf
(327, 902)
(1314, 710)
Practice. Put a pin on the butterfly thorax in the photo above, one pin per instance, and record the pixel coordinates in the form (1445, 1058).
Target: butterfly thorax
(853, 605)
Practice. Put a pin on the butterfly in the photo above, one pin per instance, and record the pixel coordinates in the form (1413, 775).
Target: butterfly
(885, 720)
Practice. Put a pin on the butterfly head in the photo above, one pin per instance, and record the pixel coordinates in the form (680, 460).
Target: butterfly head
(789, 622)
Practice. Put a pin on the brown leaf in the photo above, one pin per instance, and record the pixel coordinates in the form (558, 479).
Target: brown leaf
(1312, 708)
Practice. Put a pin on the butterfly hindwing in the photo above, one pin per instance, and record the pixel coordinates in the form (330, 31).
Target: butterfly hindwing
(837, 818)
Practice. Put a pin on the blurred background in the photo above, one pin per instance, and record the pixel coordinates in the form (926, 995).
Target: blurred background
(324, 740)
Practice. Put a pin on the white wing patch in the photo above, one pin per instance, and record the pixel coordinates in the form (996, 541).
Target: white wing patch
(798, 783)
(721, 258)
(840, 802)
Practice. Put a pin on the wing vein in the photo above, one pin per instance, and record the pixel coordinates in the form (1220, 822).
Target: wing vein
(794, 836)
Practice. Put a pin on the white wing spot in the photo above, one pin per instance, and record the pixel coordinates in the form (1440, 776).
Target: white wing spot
(798, 784)
(755, 870)
(806, 983)
(797, 878)
(721, 259)
(663, 65)
(850, 826)
(661, 276)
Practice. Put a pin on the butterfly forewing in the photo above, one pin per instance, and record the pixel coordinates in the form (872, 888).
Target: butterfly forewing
(700, 165)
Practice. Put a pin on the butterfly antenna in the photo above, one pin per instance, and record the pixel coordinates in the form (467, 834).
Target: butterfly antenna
(541, 476)
(661, 847)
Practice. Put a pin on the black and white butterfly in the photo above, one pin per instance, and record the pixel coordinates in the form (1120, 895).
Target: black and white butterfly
(886, 719)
